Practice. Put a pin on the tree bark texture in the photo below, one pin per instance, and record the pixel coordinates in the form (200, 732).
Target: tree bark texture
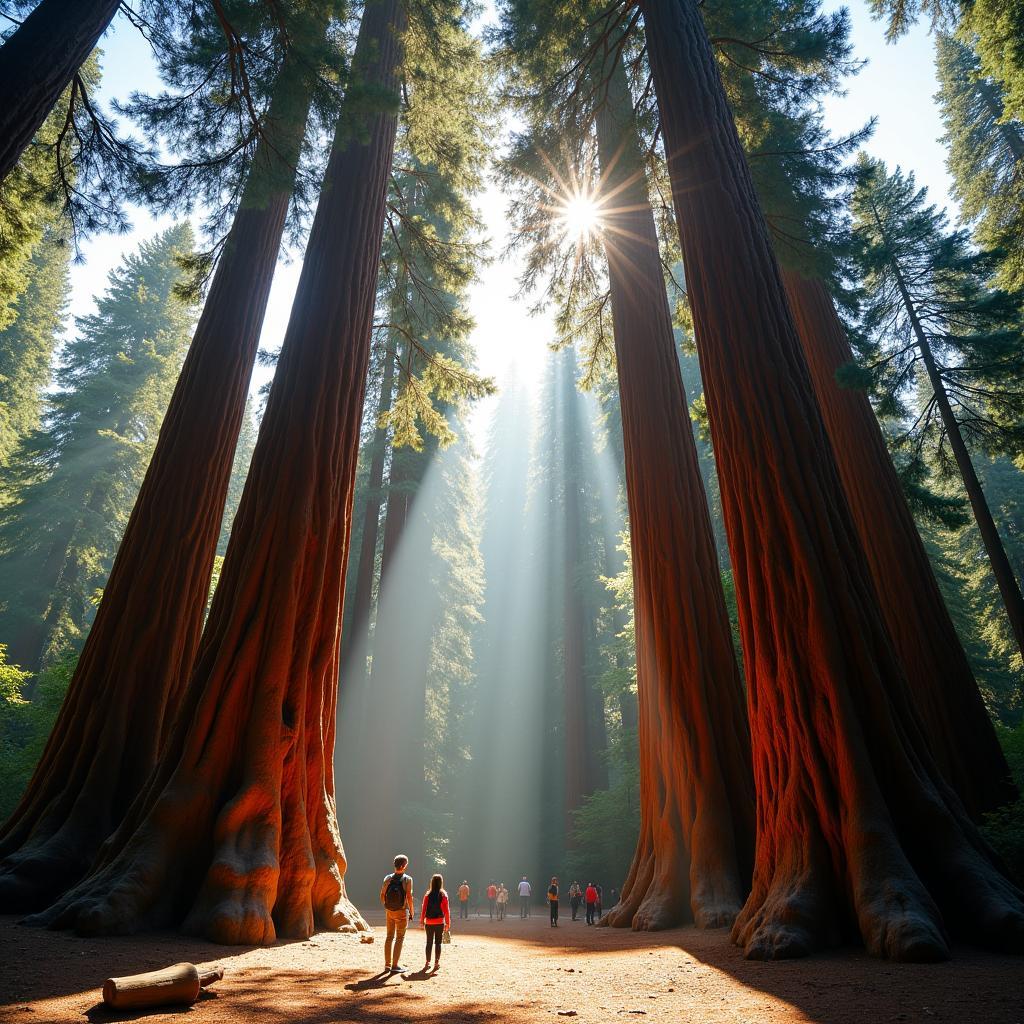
(235, 831)
(695, 849)
(855, 825)
(39, 61)
(962, 738)
(142, 644)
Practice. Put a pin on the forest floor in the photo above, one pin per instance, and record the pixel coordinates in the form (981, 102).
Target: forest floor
(513, 971)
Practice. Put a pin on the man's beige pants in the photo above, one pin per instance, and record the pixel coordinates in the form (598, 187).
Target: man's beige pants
(398, 921)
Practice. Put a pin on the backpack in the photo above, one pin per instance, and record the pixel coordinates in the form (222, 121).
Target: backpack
(434, 905)
(394, 894)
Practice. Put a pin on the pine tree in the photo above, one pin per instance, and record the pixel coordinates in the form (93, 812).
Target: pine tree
(986, 156)
(77, 475)
(927, 309)
(27, 345)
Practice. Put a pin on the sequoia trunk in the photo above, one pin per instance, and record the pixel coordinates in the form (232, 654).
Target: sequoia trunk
(141, 647)
(236, 828)
(854, 821)
(39, 61)
(695, 848)
(960, 732)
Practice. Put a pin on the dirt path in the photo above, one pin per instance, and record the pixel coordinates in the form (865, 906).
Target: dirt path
(514, 971)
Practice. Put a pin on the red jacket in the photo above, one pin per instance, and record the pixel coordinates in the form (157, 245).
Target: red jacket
(445, 918)
(591, 894)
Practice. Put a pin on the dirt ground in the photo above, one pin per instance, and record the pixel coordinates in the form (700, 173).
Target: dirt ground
(514, 971)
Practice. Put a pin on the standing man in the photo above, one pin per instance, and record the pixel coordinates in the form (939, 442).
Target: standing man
(464, 901)
(525, 892)
(492, 899)
(574, 898)
(396, 895)
(553, 901)
(591, 897)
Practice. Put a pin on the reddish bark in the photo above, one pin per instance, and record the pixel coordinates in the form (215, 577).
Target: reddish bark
(854, 822)
(141, 647)
(38, 62)
(236, 828)
(960, 732)
(696, 795)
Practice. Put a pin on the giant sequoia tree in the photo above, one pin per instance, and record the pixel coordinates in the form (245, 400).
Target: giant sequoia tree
(140, 649)
(235, 831)
(854, 822)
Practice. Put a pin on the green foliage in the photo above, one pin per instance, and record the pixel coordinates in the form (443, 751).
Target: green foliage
(1004, 828)
(998, 29)
(76, 476)
(986, 156)
(27, 344)
(25, 724)
(925, 295)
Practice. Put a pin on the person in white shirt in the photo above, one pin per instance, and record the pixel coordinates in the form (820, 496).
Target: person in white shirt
(525, 892)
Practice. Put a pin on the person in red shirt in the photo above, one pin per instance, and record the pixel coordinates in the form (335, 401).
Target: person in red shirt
(492, 899)
(591, 902)
(435, 918)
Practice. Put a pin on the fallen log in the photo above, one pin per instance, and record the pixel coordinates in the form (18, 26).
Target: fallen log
(179, 985)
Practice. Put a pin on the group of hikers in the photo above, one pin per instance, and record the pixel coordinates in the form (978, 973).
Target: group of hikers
(589, 895)
(396, 894)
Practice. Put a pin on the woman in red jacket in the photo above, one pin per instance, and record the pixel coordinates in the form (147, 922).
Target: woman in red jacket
(435, 918)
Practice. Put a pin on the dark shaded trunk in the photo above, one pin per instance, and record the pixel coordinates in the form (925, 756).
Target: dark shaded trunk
(38, 62)
(236, 830)
(961, 735)
(696, 794)
(855, 825)
(141, 647)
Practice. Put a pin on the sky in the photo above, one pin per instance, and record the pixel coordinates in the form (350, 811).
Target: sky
(896, 86)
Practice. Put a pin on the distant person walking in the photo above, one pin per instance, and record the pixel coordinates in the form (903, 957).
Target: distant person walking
(553, 902)
(396, 895)
(435, 918)
(464, 901)
(502, 901)
(525, 892)
(575, 898)
(591, 898)
(613, 897)
(600, 901)
(492, 899)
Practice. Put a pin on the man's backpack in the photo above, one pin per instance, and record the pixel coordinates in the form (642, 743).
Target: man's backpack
(394, 894)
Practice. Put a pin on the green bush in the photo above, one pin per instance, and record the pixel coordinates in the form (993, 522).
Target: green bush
(1004, 828)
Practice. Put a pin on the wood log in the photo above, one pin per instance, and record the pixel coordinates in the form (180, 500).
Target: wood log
(179, 985)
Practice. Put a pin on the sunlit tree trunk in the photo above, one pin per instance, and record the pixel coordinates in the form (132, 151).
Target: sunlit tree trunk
(236, 828)
(855, 826)
(141, 647)
(39, 61)
(696, 793)
(960, 732)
